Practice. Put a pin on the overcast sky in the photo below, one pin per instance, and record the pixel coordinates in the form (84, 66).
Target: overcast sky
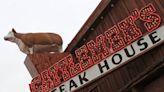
(64, 17)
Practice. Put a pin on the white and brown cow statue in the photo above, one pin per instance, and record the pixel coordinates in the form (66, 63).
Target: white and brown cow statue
(30, 43)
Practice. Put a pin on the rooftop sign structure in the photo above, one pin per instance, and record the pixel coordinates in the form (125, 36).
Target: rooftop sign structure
(115, 47)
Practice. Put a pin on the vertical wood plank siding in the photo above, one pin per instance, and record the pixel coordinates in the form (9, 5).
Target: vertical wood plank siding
(109, 17)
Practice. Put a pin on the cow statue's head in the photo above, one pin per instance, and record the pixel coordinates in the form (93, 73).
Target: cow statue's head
(11, 36)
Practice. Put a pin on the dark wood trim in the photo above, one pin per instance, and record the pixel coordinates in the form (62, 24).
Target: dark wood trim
(151, 72)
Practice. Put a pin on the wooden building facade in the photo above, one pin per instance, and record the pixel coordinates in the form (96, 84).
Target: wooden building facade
(142, 73)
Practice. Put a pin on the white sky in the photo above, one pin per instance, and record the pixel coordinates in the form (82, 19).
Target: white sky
(64, 17)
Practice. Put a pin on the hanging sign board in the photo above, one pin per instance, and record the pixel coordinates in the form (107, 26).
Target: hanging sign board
(106, 65)
(118, 45)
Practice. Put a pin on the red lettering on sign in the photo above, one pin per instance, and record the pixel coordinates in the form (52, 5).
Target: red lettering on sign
(47, 82)
(152, 20)
(92, 53)
(63, 68)
(135, 14)
(115, 39)
(99, 49)
(54, 75)
(83, 57)
(129, 30)
(36, 84)
(74, 69)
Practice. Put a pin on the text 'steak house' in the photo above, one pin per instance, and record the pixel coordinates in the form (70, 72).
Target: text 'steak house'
(119, 49)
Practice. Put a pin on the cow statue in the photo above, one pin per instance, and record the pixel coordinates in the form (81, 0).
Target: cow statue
(30, 43)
